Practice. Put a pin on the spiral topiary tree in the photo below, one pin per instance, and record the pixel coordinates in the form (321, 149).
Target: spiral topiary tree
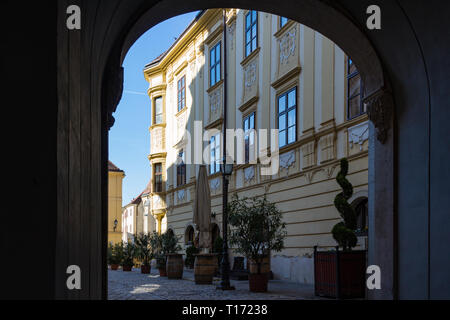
(344, 231)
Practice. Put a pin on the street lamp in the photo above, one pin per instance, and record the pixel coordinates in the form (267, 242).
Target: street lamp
(227, 169)
(115, 224)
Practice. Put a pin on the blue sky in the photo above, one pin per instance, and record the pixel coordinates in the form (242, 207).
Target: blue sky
(129, 138)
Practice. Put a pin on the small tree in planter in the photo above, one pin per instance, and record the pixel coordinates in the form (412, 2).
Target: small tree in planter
(115, 255)
(144, 251)
(174, 260)
(129, 253)
(258, 229)
(190, 256)
(156, 242)
(345, 269)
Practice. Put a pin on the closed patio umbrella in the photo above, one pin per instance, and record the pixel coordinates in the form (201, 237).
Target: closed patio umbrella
(202, 208)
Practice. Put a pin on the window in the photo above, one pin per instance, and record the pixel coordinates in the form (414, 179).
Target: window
(181, 169)
(287, 117)
(249, 137)
(189, 236)
(214, 64)
(283, 21)
(214, 166)
(181, 93)
(362, 211)
(158, 110)
(355, 105)
(251, 31)
(158, 177)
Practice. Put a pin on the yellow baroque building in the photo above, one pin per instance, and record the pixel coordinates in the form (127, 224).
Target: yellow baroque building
(280, 75)
(115, 177)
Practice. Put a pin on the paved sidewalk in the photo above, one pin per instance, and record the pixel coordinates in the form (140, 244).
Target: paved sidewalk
(136, 286)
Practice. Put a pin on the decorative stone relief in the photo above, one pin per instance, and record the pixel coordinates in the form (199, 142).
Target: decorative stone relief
(215, 104)
(181, 195)
(231, 29)
(250, 75)
(379, 109)
(287, 45)
(181, 125)
(308, 154)
(214, 185)
(330, 169)
(157, 140)
(287, 159)
(358, 134)
(249, 173)
(192, 66)
(327, 147)
(157, 202)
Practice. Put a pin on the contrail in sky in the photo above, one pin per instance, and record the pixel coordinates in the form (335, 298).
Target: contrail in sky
(135, 92)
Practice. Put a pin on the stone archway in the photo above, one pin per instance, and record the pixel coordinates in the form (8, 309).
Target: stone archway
(94, 91)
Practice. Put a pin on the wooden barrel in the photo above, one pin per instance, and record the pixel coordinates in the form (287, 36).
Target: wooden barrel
(204, 268)
(265, 266)
(174, 266)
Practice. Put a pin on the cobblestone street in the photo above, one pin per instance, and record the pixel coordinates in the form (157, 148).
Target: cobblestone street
(136, 286)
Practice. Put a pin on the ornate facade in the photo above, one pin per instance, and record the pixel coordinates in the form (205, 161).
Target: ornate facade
(280, 75)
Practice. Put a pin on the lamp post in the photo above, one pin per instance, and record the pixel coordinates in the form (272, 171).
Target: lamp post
(227, 169)
(115, 224)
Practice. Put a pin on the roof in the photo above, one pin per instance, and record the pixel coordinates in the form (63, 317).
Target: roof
(138, 199)
(162, 55)
(113, 167)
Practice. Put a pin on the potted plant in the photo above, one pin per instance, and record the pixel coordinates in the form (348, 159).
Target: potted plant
(258, 229)
(190, 256)
(157, 245)
(115, 255)
(144, 251)
(129, 252)
(174, 260)
(341, 274)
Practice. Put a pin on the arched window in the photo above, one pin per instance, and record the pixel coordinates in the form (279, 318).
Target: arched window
(355, 105)
(189, 235)
(361, 211)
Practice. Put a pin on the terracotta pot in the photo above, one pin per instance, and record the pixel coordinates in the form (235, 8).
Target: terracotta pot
(145, 269)
(127, 268)
(114, 266)
(258, 282)
(162, 272)
(204, 268)
(174, 266)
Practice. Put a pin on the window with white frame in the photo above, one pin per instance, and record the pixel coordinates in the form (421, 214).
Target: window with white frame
(287, 117)
(249, 137)
(214, 64)
(251, 31)
(214, 166)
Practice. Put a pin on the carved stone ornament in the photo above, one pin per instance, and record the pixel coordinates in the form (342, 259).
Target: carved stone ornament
(113, 91)
(287, 45)
(250, 75)
(358, 134)
(249, 173)
(215, 103)
(287, 159)
(231, 29)
(214, 184)
(379, 109)
(181, 194)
